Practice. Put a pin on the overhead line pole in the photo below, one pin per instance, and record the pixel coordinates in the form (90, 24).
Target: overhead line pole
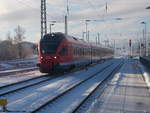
(43, 18)
(66, 18)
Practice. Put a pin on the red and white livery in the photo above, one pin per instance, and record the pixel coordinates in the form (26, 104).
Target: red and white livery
(58, 51)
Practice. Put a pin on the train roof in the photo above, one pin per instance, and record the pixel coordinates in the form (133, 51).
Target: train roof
(58, 36)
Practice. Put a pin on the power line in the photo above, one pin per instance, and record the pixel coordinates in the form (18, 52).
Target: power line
(29, 5)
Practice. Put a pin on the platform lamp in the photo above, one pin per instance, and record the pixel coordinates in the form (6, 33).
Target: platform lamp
(52, 24)
(86, 30)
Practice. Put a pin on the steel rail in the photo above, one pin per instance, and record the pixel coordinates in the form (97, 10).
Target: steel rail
(84, 100)
(67, 90)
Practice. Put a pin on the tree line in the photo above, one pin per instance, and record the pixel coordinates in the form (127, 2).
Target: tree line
(15, 47)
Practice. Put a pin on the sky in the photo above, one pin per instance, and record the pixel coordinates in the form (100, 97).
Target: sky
(26, 13)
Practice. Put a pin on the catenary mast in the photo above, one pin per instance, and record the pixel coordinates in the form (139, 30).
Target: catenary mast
(43, 18)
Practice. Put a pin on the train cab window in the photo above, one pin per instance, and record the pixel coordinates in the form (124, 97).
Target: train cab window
(48, 47)
(63, 52)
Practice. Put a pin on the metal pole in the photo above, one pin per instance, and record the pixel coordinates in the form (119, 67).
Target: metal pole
(66, 25)
(144, 36)
(114, 44)
(43, 18)
(88, 36)
(50, 28)
(98, 38)
(145, 41)
(140, 47)
(83, 35)
(86, 30)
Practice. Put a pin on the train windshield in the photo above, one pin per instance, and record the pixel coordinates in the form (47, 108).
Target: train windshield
(48, 47)
(50, 42)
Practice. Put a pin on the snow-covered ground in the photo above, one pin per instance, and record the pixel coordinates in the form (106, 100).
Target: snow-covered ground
(30, 98)
(146, 73)
(126, 92)
(17, 64)
(17, 77)
(78, 94)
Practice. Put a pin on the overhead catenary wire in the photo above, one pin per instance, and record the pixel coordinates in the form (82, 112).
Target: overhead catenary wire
(26, 4)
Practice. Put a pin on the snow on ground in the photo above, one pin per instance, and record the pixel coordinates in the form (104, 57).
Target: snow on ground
(18, 70)
(146, 73)
(73, 98)
(126, 92)
(19, 63)
(5, 80)
(5, 66)
(30, 98)
(7, 72)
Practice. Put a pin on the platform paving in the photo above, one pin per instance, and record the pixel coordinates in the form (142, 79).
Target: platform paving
(126, 93)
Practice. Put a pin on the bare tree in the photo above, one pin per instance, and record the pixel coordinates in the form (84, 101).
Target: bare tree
(19, 34)
(7, 50)
(18, 38)
(8, 37)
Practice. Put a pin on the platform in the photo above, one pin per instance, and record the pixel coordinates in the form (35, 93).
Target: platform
(126, 93)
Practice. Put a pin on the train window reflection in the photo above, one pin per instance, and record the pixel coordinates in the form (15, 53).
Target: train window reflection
(48, 48)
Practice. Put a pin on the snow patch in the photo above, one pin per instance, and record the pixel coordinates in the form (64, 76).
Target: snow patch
(146, 75)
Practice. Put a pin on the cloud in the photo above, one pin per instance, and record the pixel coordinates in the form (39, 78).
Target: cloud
(27, 14)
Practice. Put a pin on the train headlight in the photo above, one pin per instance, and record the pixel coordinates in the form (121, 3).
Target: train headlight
(55, 57)
(41, 57)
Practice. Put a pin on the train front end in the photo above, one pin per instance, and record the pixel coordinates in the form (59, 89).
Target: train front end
(47, 49)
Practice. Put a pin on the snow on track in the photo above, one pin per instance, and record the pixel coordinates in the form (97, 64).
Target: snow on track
(74, 97)
(17, 70)
(30, 98)
(17, 77)
(11, 65)
(23, 84)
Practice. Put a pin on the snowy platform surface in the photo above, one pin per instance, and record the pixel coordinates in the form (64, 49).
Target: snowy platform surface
(126, 93)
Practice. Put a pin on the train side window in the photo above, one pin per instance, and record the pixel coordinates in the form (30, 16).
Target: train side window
(63, 52)
(75, 51)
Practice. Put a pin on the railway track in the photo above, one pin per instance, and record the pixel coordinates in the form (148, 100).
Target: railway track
(95, 93)
(42, 83)
(10, 88)
(57, 103)
(13, 71)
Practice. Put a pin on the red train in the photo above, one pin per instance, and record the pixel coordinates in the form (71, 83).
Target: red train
(60, 52)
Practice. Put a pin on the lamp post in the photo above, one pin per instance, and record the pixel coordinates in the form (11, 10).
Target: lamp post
(50, 26)
(83, 34)
(144, 36)
(86, 29)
